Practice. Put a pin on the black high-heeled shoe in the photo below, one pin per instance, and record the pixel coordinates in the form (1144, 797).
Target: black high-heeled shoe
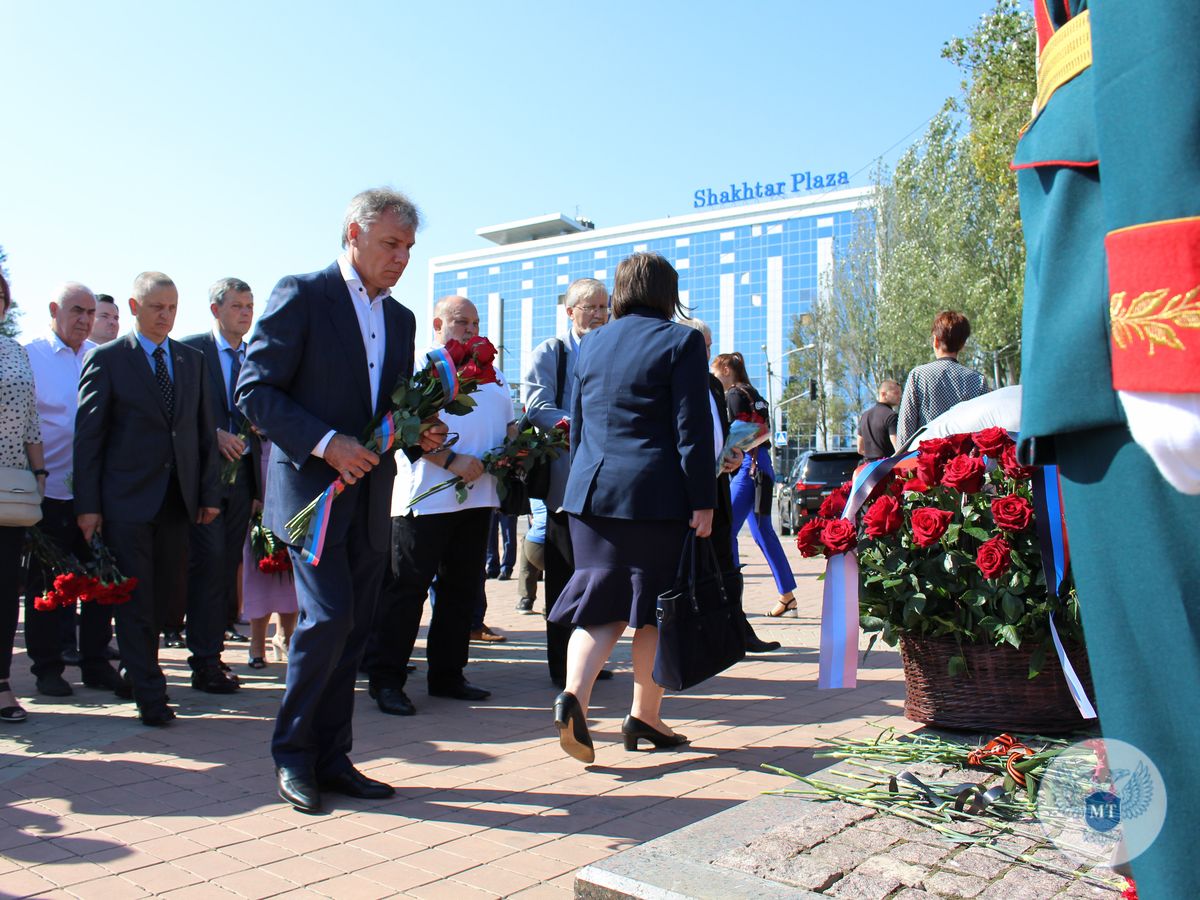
(634, 730)
(573, 734)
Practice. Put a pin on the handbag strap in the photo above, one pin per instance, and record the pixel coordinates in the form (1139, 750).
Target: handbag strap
(687, 563)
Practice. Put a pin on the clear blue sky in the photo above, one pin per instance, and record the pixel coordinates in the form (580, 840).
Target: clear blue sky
(225, 138)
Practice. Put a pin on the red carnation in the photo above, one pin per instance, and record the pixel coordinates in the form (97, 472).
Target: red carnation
(839, 536)
(46, 602)
(883, 517)
(992, 441)
(1012, 513)
(964, 473)
(458, 352)
(1012, 468)
(916, 485)
(808, 538)
(832, 506)
(994, 557)
(929, 524)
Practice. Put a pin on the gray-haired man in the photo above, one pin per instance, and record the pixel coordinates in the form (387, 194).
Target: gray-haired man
(547, 396)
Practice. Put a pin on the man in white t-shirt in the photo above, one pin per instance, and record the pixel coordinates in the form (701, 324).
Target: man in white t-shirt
(438, 537)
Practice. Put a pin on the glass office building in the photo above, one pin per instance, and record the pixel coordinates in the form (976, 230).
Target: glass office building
(747, 270)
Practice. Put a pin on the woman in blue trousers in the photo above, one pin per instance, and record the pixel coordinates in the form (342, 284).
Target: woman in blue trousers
(744, 401)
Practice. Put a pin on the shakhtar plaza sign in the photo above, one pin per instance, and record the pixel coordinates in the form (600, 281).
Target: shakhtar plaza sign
(797, 183)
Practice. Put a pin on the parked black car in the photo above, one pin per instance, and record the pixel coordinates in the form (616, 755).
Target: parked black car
(812, 479)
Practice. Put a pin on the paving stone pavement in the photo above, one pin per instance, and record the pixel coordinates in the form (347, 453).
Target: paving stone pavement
(95, 805)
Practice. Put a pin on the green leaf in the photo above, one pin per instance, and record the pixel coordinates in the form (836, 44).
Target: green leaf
(958, 665)
(1013, 607)
(870, 623)
(978, 533)
(1037, 659)
(1009, 633)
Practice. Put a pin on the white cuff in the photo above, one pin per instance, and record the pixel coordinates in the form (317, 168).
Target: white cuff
(319, 450)
(1167, 427)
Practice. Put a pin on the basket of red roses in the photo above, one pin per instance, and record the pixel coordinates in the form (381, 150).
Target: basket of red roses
(950, 568)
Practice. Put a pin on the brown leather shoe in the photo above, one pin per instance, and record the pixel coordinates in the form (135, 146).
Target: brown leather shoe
(485, 635)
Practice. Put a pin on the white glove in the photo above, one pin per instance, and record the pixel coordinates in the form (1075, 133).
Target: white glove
(1167, 426)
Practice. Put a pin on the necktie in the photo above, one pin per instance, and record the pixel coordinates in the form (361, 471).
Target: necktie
(235, 368)
(163, 377)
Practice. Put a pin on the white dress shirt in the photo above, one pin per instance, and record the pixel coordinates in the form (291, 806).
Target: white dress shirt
(370, 323)
(484, 428)
(56, 369)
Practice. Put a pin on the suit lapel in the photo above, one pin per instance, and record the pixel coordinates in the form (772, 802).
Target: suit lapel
(140, 366)
(184, 380)
(345, 325)
(212, 361)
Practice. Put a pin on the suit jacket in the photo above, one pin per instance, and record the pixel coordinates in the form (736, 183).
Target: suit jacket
(641, 428)
(218, 401)
(125, 443)
(1109, 184)
(306, 374)
(540, 396)
(723, 511)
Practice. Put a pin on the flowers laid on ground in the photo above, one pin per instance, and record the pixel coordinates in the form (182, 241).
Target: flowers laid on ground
(98, 581)
(270, 553)
(514, 461)
(450, 374)
(950, 550)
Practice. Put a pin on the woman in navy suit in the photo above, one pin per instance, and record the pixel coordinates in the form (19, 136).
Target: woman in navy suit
(641, 474)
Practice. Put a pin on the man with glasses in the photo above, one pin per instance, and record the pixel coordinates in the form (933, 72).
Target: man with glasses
(546, 392)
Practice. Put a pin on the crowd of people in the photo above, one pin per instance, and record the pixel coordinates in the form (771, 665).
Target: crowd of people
(178, 456)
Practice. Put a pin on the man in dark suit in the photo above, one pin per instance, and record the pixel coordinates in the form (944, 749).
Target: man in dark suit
(322, 362)
(145, 430)
(216, 548)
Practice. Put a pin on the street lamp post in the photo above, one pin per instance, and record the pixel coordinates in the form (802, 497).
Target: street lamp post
(770, 391)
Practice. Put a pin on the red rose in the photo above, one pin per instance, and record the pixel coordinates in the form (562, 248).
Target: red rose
(808, 538)
(563, 425)
(481, 348)
(992, 441)
(898, 487)
(916, 485)
(883, 517)
(458, 352)
(993, 557)
(959, 443)
(929, 524)
(839, 536)
(832, 506)
(1012, 468)
(843, 489)
(964, 473)
(1012, 513)
(930, 464)
(940, 447)
(470, 372)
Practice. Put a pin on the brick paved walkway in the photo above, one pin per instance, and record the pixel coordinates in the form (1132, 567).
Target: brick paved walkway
(95, 805)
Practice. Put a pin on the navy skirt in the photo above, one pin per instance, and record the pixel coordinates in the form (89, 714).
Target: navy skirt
(621, 566)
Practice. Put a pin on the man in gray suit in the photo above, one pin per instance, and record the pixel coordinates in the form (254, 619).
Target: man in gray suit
(546, 393)
(145, 428)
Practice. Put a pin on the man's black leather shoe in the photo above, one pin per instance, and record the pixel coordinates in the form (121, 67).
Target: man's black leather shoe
(173, 640)
(462, 691)
(105, 679)
(354, 783)
(71, 657)
(157, 716)
(124, 690)
(299, 788)
(233, 636)
(54, 686)
(212, 680)
(758, 645)
(393, 701)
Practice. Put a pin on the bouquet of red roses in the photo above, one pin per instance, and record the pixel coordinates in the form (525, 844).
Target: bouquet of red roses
(450, 373)
(949, 548)
(270, 554)
(99, 581)
(514, 461)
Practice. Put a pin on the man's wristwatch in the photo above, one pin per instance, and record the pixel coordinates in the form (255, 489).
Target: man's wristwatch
(40, 472)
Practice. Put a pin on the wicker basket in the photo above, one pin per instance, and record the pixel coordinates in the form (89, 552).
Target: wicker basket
(996, 693)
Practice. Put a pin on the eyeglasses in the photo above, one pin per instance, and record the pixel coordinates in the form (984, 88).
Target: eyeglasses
(592, 310)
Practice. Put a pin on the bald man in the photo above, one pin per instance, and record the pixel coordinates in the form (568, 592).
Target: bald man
(877, 426)
(438, 537)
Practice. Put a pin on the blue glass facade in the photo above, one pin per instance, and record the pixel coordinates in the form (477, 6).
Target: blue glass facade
(748, 273)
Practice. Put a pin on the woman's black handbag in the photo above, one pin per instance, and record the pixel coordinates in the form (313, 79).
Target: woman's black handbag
(699, 620)
(764, 492)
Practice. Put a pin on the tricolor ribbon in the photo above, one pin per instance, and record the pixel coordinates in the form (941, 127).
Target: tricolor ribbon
(315, 544)
(445, 370)
(1052, 536)
(839, 603)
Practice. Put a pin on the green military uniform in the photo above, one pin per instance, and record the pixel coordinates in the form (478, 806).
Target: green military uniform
(1109, 180)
